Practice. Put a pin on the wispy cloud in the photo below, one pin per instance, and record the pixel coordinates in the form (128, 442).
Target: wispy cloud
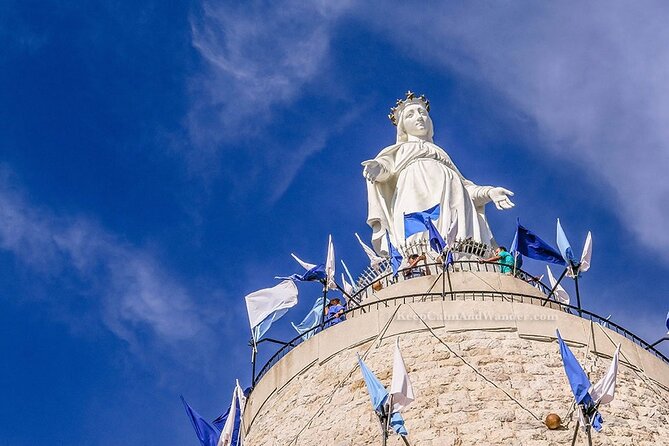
(592, 78)
(126, 287)
(257, 56)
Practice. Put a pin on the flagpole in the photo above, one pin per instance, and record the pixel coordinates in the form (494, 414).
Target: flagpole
(253, 361)
(578, 295)
(573, 439)
(325, 294)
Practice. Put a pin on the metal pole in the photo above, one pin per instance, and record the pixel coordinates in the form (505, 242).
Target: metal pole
(578, 295)
(325, 296)
(573, 439)
(253, 362)
(666, 338)
(555, 287)
(587, 430)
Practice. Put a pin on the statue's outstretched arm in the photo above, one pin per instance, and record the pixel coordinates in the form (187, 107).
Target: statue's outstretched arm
(375, 170)
(481, 195)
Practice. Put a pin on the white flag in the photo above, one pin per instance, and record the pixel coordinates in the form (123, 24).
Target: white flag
(604, 391)
(260, 304)
(330, 266)
(374, 259)
(559, 293)
(348, 288)
(228, 428)
(401, 390)
(305, 265)
(587, 254)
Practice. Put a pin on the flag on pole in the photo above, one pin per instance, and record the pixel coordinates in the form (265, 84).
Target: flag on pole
(397, 424)
(227, 433)
(560, 293)
(206, 433)
(578, 380)
(436, 240)
(307, 266)
(564, 245)
(395, 256)
(270, 304)
(374, 259)
(530, 245)
(350, 277)
(315, 274)
(348, 288)
(310, 321)
(401, 390)
(586, 255)
(330, 265)
(580, 385)
(377, 393)
(416, 222)
(604, 391)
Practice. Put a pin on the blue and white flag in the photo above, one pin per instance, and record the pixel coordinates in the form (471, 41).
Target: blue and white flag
(667, 321)
(416, 222)
(230, 430)
(564, 245)
(269, 304)
(580, 385)
(377, 392)
(530, 245)
(330, 266)
(206, 433)
(395, 256)
(313, 319)
(315, 274)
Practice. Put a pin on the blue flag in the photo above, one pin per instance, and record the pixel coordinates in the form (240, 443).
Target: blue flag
(667, 320)
(530, 245)
(416, 222)
(377, 393)
(397, 423)
(436, 240)
(564, 245)
(206, 433)
(578, 380)
(449, 259)
(311, 320)
(395, 256)
(317, 273)
(260, 329)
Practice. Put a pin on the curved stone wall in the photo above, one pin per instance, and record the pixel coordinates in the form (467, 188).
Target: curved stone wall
(507, 351)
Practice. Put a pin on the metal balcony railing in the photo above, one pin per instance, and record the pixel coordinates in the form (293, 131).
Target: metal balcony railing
(361, 304)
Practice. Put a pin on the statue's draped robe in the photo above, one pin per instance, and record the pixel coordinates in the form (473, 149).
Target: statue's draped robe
(417, 176)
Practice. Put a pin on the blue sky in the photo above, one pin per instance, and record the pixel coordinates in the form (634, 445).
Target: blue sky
(160, 160)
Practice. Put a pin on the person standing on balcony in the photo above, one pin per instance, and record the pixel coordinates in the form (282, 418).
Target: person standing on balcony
(503, 258)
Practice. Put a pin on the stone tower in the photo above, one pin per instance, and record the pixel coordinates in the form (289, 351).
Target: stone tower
(480, 348)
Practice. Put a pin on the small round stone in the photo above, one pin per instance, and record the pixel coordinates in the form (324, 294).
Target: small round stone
(553, 421)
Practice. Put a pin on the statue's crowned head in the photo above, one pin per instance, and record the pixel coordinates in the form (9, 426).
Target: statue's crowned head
(411, 116)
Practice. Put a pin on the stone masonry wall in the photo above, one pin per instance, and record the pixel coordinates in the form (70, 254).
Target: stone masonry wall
(311, 397)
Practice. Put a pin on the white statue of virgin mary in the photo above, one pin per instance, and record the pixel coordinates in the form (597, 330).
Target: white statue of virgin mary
(414, 175)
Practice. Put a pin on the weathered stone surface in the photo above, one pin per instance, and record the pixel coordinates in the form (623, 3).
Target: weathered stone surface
(327, 403)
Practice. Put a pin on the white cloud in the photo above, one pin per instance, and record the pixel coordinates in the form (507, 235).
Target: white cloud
(257, 56)
(592, 76)
(134, 297)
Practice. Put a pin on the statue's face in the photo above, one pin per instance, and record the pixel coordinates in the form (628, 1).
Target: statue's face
(415, 120)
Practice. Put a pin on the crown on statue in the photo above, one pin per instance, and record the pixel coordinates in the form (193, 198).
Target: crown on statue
(411, 98)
